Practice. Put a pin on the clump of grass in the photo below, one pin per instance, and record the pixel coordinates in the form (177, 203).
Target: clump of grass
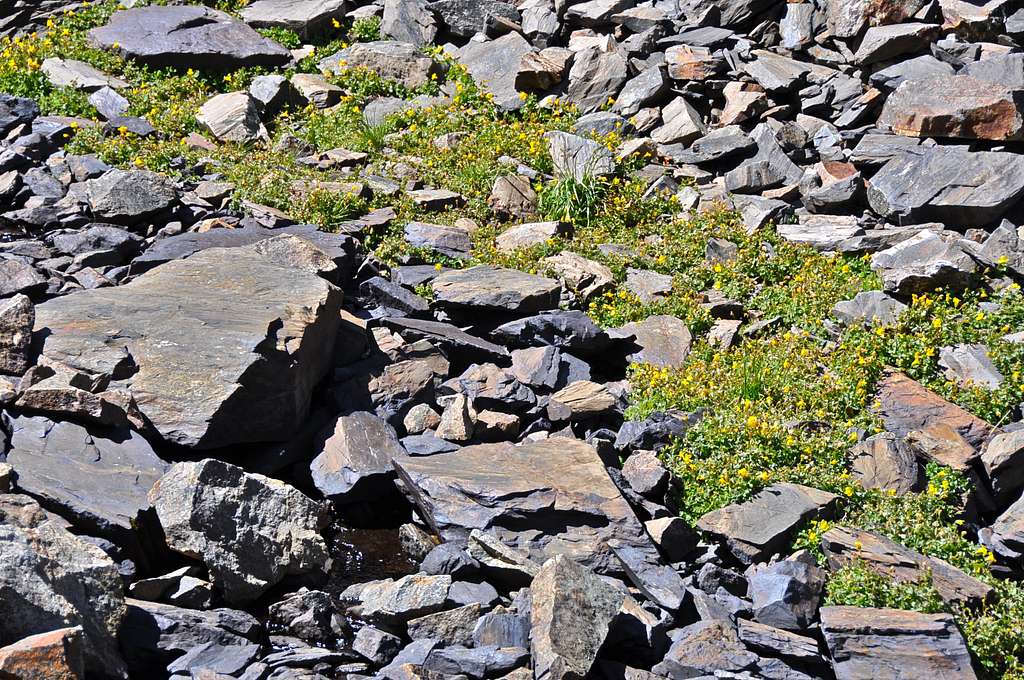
(365, 29)
(571, 199)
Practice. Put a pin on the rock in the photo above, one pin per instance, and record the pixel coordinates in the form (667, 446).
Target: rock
(845, 546)
(659, 583)
(494, 64)
(128, 197)
(393, 60)
(377, 646)
(786, 594)
(978, 110)
(513, 197)
(308, 18)
(233, 117)
(703, 648)
(571, 610)
(681, 124)
(664, 341)
(906, 406)
(55, 654)
(970, 366)
(18, 277)
(547, 368)
(885, 462)
(502, 628)
(200, 367)
(777, 642)
(541, 71)
(458, 420)
(479, 662)
(436, 200)
(156, 634)
(642, 90)
(646, 475)
(865, 642)
(577, 157)
(400, 601)
(948, 184)
(17, 316)
(503, 564)
(886, 42)
(316, 90)
(186, 37)
(449, 337)
(1002, 460)
(451, 241)
(15, 111)
(465, 18)
(409, 21)
(485, 288)
(98, 483)
(355, 459)
(923, 263)
(586, 399)
(228, 660)
(250, 531)
(586, 277)
(78, 75)
(761, 526)
(846, 19)
(477, 486)
(52, 579)
(673, 536)
(451, 628)
(530, 234)
(1006, 535)
(571, 331)
(869, 307)
(648, 285)
(595, 78)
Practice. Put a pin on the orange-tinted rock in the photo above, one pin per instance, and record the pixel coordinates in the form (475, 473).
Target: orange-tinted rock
(56, 655)
(955, 106)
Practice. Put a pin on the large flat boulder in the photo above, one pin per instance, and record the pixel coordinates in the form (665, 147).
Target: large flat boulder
(947, 184)
(50, 579)
(485, 288)
(98, 480)
(546, 498)
(892, 643)
(187, 37)
(308, 18)
(955, 106)
(251, 531)
(221, 348)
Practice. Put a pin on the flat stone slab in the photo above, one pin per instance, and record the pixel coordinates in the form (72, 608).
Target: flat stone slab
(306, 17)
(221, 348)
(494, 289)
(759, 527)
(893, 643)
(187, 37)
(524, 495)
(98, 482)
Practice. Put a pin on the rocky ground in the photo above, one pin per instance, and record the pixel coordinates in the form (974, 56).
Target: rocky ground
(479, 339)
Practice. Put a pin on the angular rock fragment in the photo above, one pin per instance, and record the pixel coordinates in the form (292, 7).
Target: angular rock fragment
(232, 117)
(704, 648)
(884, 462)
(187, 37)
(535, 480)
(954, 106)
(251, 531)
(17, 317)
(759, 527)
(866, 642)
(390, 59)
(1003, 460)
(78, 75)
(447, 240)
(402, 600)
(355, 459)
(209, 370)
(578, 157)
(586, 277)
(922, 263)
(485, 288)
(308, 18)
(786, 594)
(970, 366)
(54, 654)
(571, 609)
(664, 341)
(494, 64)
(129, 196)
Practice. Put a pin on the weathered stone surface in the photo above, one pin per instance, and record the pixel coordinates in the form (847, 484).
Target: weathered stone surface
(308, 18)
(884, 462)
(775, 641)
(586, 399)
(355, 459)
(578, 157)
(703, 648)
(886, 42)
(187, 37)
(906, 406)
(759, 527)
(844, 546)
(465, 18)
(409, 21)
(586, 277)
(530, 234)
(55, 655)
(494, 64)
(970, 366)
(394, 60)
(232, 117)
(954, 106)
(513, 197)
(846, 19)
(17, 317)
(451, 628)
(595, 77)
(922, 263)
(251, 531)
(400, 601)
(486, 288)
(786, 594)
(100, 483)
(486, 486)
(78, 75)
(948, 184)
(571, 610)
(1006, 535)
(50, 578)
(569, 330)
(1003, 459)
(663, 340)
(869, 307)
(129, 196)
(871, 643)
(19, 277)
(235, 365)
(447, 240)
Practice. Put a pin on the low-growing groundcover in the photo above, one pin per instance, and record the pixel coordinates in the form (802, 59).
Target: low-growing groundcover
(783, 406)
